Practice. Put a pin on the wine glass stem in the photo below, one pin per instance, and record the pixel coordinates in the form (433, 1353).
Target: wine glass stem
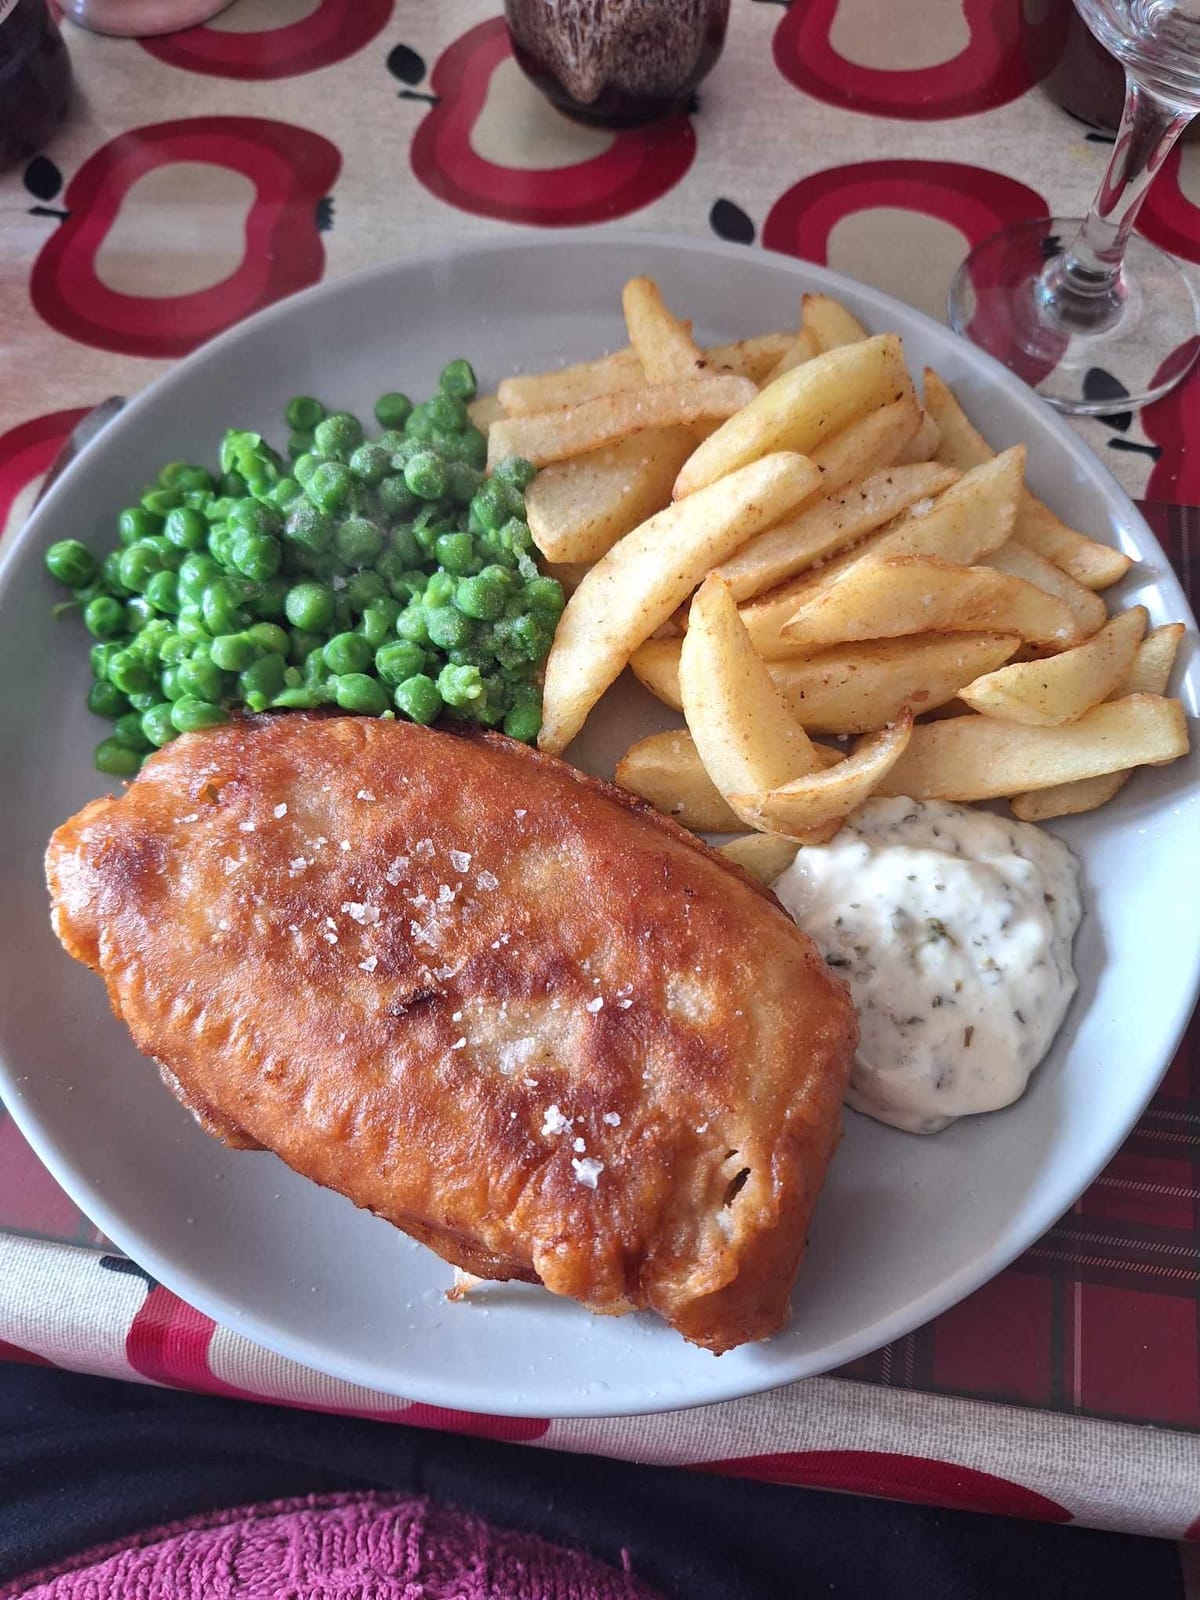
(1081, 290)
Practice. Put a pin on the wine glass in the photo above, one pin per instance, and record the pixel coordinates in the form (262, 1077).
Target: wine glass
(1090, 314)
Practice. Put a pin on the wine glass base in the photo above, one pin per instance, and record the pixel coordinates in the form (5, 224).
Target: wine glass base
(1147, 350)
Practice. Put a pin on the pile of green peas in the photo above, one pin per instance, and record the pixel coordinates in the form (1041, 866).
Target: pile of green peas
(386, 575)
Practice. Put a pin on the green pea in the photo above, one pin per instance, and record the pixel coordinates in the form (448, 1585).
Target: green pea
(348, 652)
(482, 597)
(190, 715)
(455, 551)
(299, 699)
(255, 516)
(462, 482)
(150, 638)
(396, 499)
(269, 638)
(393, 410)
(448, 628)
(458, 379)
(162, 592)
(405, 546)
(355, 691)
(362, 588)
(399, 660)
(303, 468)
(260, 683)
(234, 652)
(139, 613)
(71, 563)
(418, 426)
(302, 646)
(489, 506)
(447, 414)
(303, 411)
(524, 720)
(173, 648)
(144, 699)
(221, 609)
(515, 472)
(338, 436)
(129, 672)
(308, 530)
(100, 657)
(357, 541)
(418, 698)
(186, 475)
(116, 759)
(284, 495)
(370, 463)
(329, 487)
(110, 574)
(190, 623)
(439, 590)
(157, 724)
(201, 679)
(135, 523)
(378, 619)
(106, 700)
(268, 603)
(104, 617)
(473, 446)
(310, 606)
(185, 529)
(127, 730)
(544, 597)
(169, 682)
(195, 575)
(139, 563)
(161, 501)
(257, 555)
(300, 443)
(220, 544)
(412, 623)
(459, 686)
(425, 475)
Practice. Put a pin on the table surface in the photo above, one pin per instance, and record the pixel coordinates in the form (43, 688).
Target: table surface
(201, 176)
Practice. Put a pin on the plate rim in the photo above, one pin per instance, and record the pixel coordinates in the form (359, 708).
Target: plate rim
(471, 1395)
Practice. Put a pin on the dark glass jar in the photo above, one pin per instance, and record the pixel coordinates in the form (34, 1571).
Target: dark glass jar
(616, 63)
(35, 78)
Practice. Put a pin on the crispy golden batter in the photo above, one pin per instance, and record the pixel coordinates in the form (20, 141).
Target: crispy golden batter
(501, 1004)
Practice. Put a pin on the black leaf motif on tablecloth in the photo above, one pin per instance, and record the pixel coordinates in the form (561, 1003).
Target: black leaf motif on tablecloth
(1051, 247)
(1101, 385)
(325, 213)
(405, 64)
(729, 221)
(1154, 451)
(129, 1269)
(42, 178)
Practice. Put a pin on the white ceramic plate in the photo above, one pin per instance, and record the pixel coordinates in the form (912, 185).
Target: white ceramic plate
(906, 1226)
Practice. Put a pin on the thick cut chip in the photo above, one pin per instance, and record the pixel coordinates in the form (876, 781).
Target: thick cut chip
(1149, 674)
(1021, 561)
(765, 856)
(820, 798)
(484, 410)
(1090, 563)
(887, 598)
(803, 348)
(578, 509)
(874, 441)
(743, 727)
(1062, 687)
(802, 409)
(663, 343)
(666, 770)
(854, 688)
(923, 446)
(829, 524)
(483, 996)
(981, 758)
(633, 589)
(829, 322)
(573, 430)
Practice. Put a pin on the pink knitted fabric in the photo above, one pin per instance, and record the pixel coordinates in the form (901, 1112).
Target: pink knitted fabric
(333, 1547)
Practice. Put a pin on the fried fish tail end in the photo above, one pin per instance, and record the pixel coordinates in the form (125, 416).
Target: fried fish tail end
(494, 1001)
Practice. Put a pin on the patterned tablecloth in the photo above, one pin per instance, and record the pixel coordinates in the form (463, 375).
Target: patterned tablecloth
(204, 175)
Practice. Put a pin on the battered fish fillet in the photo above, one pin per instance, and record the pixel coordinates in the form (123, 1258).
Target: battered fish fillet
(497, 1002)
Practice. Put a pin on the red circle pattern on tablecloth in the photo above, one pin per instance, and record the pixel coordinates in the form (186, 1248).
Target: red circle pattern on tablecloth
(292, 170)
(335, 30)
(640, 165)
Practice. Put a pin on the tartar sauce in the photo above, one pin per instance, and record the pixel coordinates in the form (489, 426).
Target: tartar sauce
(953, 928)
